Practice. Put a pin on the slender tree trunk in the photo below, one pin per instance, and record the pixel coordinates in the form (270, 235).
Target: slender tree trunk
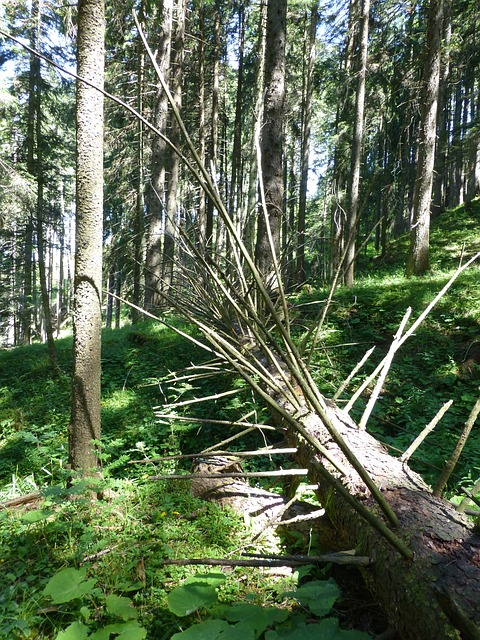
(252, 198)
(307, 105)
(44, 290)
(27, 302)
(173, 162)
(419, 255)
(110, 289)
(272, 140)
(61, 259)
(234, 204)
(475, 178)
(84, 425)
(357, 144)
(343, 128)
(139, 224)
(202, 211)
(155, 193)
(440, 179)
(215, 110)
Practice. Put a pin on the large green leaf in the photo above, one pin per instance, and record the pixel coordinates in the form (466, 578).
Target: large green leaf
(130, 630)
(319, 596)
(213, 630)
(68, 584)
(76, 631)
(121, 607)
(35, 516)
(210, 579)
(188, 598)
(208, 630)
(254, 617)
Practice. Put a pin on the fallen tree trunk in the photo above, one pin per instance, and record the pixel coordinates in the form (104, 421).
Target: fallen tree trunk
(444, 575)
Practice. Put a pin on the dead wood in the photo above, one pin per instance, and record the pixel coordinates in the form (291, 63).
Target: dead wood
(446, 550)
(271, 560)
(19, 500)
(263, 510)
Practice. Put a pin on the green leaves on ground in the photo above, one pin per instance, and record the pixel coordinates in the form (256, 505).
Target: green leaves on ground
(69, 584)
(327, 629)
(246, 621)
(319, 596)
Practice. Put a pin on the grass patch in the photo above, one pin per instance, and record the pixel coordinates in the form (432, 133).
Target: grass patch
(116, 548)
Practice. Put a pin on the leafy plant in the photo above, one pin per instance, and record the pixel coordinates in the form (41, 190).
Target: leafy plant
(248, 621)
(72, 586)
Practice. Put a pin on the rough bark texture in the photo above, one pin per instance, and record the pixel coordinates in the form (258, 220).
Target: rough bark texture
(85, 419)
(155, 192)
(272, 137)
(357, 143)
(418, 259)
(447, 551)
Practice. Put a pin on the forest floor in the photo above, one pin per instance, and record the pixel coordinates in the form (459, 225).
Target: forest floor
(97, 569)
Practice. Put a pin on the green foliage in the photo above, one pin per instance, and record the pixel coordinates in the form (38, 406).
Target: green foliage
(250, 621)
(76, 569)
(71, 586)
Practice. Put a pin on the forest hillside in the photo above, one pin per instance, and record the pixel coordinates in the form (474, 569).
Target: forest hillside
(77, 568)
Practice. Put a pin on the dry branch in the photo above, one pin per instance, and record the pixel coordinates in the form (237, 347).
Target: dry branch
(212, 454)
(250, 474)
(19, 500)
(275, 561)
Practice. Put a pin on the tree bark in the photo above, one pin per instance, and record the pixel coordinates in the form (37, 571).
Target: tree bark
(155, 192)
(139, 221)
(85, 418)
(272, 139)
(307, 106)
(446, 550)
(418, 259)
(173, 161)
(357, 144)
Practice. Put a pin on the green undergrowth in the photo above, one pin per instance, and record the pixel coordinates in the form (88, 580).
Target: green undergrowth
(74, 568)
(98, 554)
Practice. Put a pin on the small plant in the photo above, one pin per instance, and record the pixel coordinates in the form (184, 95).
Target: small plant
(248, 621)
(90, 606)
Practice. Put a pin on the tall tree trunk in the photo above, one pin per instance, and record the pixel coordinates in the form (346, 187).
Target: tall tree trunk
(202, 205)
(84, 425)
(234, 204)
(342, 130)
(272, 140)
(61, 259)
(440, 179)
(419, 252)
(357, 144)
(44, 290)
(474, 184)
(215, 110)
(173, 163)
(155, 193)
(252, 198)
(139, 221)
(307, 105)
(27, 301)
